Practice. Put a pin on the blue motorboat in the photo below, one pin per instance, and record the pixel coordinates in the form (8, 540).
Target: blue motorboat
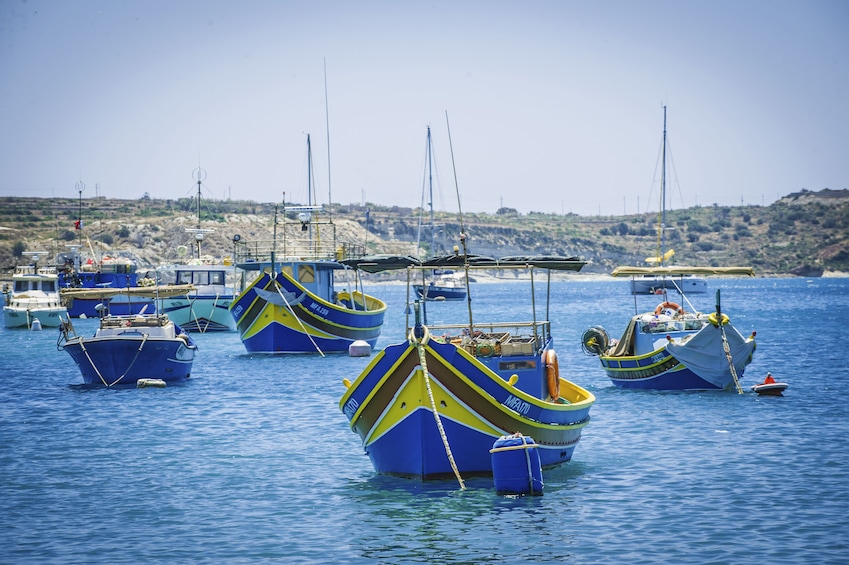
(75, 274)
(127, 349)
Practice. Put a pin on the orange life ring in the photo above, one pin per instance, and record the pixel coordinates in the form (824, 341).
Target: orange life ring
(667, 305)
(552, 374)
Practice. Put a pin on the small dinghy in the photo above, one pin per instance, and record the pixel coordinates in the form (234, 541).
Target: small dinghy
(769, 389)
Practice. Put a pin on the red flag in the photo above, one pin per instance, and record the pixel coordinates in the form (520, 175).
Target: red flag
(78, 225)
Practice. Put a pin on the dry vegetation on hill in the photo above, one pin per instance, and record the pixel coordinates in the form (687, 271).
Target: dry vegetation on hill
(805, 233)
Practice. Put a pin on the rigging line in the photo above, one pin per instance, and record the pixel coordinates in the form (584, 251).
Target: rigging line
(462, 234)
(454, 167)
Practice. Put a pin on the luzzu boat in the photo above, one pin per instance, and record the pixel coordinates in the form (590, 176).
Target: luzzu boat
(672, 348)
(668, 347)
(434, 405)
(126, 349)
(290, 304)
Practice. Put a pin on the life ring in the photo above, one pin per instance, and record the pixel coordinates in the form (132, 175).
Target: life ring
(552, 374)
(667, 306)
(485, 349)
(714, 322)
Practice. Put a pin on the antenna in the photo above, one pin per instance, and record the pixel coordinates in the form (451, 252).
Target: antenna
(80, 186)
(327, 125)
(199, 175)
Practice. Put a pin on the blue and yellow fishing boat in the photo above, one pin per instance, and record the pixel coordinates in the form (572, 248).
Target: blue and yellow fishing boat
(293, 308)
(286, 300)
(435, 403)
(674, 348)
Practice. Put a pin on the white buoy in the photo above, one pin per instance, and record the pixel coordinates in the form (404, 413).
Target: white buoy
(36, 325)
(146, 383)
(359, 348)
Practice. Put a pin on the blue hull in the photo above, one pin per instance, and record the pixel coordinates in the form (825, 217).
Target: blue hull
(678, 379)
(126, 360)
(440, 292)
(87, 307)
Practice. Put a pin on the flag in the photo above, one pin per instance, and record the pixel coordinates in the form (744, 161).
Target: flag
(368, 211)
(78, 225)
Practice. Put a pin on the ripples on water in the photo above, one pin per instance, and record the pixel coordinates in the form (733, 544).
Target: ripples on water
(251, 459)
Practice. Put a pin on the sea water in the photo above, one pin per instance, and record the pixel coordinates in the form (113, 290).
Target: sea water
(251, 460)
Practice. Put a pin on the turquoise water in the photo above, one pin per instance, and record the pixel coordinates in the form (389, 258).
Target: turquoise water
(251, 459)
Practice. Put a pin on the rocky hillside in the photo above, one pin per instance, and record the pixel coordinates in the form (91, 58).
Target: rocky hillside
(805, 233)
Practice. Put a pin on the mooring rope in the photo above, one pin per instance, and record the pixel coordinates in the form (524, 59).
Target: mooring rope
(93, 366)
(528, 459)
(211, 313)
(192, 314)
(420, 346)
(730, 360)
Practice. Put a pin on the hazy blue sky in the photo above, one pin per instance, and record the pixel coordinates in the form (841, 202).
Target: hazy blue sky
(553, 105)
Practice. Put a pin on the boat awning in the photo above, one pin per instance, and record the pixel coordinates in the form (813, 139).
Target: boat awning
(680, 270)
(378, 263)
(160, 291)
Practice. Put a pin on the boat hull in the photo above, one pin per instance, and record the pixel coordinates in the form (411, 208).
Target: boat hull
(23, 318)
(126, 359)
(119, 306)
(201, 313)
(277, 315)
(389, 408)
(656, 285)
(435, 292)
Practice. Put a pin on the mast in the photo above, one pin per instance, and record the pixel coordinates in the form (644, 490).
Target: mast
(430, 194)
(199, 175)
(327, 125)
(663, 196)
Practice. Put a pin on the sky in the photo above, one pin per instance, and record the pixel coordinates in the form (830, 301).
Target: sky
(553, 106)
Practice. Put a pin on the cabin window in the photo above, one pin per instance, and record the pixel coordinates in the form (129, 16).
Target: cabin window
(216, 277)
(48, 286)
(306, 273)
(286, 269)
(21, 286)
(184, 277)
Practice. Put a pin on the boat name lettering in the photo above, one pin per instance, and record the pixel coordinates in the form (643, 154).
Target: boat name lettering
(657, 358)
(516, 404)
(351, 408)
(237, 312)
(320, 310)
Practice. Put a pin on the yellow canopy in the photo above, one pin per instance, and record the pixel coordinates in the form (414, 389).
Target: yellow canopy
(680, 270)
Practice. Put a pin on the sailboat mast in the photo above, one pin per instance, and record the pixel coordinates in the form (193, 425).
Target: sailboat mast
(199, 235)
(663, 196)
(430, 193)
